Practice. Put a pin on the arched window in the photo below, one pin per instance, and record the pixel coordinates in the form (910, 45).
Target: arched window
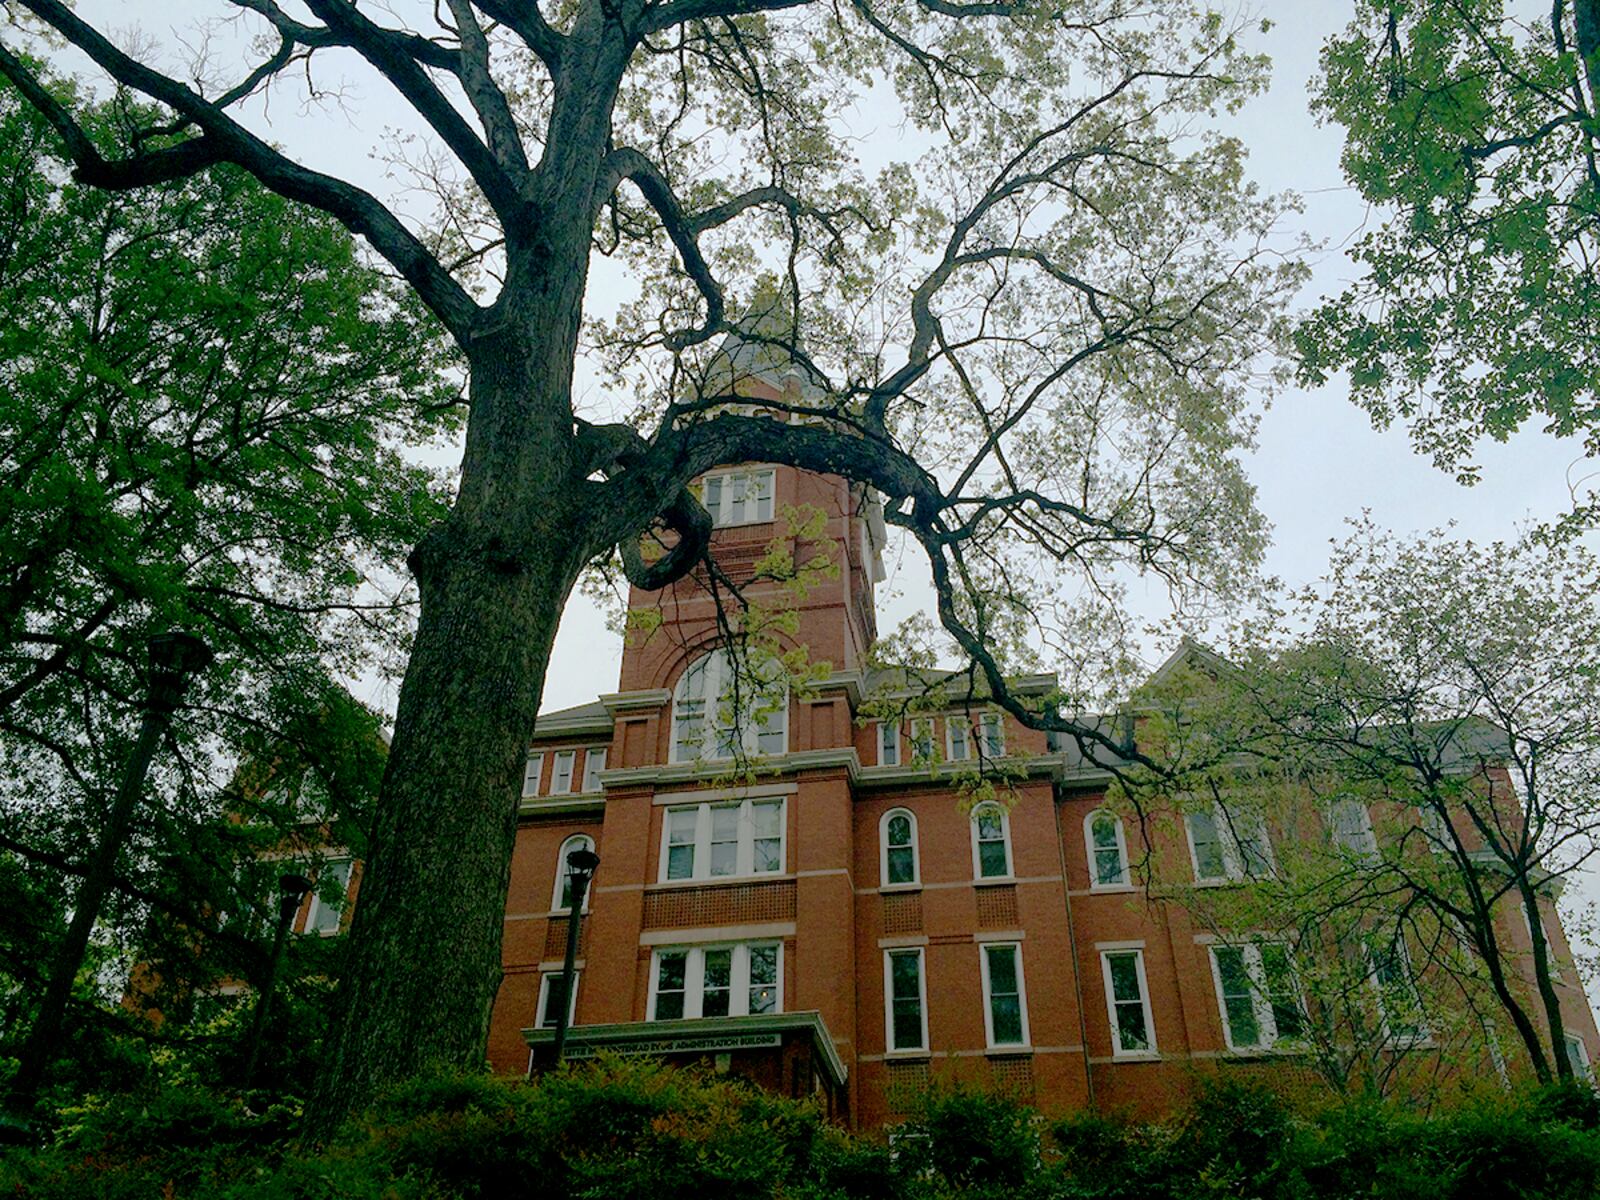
(719, 713)
(561, 899)
(991, 842)
(897, 835)
(1108, 851)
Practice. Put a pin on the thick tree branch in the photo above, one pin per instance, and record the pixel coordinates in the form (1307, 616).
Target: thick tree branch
(678, 12)
(488, 101)
(525, 20)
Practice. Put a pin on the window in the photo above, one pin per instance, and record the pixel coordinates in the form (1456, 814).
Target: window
(715, 841)
(1228, 846)
(561, 901)
(991, 843)
(905, 1000)
(594, 761)
(992, 735)
(1108, 852)
(1351, 826)
(716, 981)
(745, 715)
(1437, 828)
(1389, 969)
(550, 989)
(888, 743)
(1550, 958)
(1128, 1003)
(897, 834)
(1005, 1008)
(1578, 1056)
(328, 897)
(531, 772)
(561, 773)
(739, 497)
(922, 740)
(1257, 994)
(957, 738)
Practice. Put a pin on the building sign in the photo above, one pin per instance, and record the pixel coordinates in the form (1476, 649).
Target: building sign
(707, 1044)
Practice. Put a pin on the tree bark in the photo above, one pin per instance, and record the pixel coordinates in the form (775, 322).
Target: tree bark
(1541, 974)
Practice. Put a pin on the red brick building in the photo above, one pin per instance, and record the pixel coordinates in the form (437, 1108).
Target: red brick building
(841, 922)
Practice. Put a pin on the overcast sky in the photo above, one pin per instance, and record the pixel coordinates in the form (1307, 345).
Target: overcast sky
(1319, 461)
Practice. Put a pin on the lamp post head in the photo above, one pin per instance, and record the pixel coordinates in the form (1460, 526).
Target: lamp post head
(174, 657)
(582, 865)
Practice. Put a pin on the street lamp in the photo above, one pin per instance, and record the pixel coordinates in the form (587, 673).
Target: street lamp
(581, 866)
(174, 659)
(292, 890)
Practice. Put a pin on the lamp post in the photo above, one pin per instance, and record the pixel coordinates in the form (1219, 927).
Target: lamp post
(174, 659)
(581, 866)
(292, 890)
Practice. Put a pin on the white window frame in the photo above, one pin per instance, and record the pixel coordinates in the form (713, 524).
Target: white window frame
(1551, 957)
(559, 785)
(578, 841)
(1582, 1068)
(532, 775)
(921, 1048)
(694, 978)
(921, 734)
(745, 867)
(594, 761)
(1362, 842)
(1436, 830)
(721, 508)
(883, 852)
(1260, 996)
(988, 1004)
(1005, 833)
(888, 739)
(953, 723)
(542, 1012)
(1106, 955)
(1233, 870)
(1095, 883)
(319, 906)
(717, 675)
(991, 727)
(1423, 1035)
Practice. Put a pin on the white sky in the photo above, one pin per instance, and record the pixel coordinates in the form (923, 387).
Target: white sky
(1319, 461)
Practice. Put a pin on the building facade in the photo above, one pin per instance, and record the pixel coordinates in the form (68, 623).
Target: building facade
(837, 916)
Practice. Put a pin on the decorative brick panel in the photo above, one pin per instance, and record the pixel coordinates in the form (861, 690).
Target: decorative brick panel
(997, 907)
(1013, 1076)
(720, 904)
(555, 938)
(902, 912)
(907, 1082)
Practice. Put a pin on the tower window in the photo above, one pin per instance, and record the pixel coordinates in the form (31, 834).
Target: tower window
(741, 497)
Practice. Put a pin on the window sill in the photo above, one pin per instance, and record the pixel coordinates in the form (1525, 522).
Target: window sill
(890, 889)
(1112, 889)
(907, 1055)
(716, 881)
(994, 881)
(1135, 1056)
(1021, 1051)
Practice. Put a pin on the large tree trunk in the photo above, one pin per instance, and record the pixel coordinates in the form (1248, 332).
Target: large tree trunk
(424, 959)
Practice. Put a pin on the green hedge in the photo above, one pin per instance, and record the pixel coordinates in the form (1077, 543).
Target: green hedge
(635, 1130)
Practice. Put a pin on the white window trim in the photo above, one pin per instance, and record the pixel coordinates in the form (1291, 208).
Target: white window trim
(539, 1013)
(884, 727)
(1005, 830)
(1551, 957)
(1232, 855)
(1571, 1038)
(590, 774)
(556, 787)
(575, 842)
(952, 722)
(317, 904)
(749, 731)
(922, 731)
(1153, 1050)
(1368, 850)
(747, 840)
(532, 774)
(978, 733)
(694, 978)
(883, 853)
(1260, 997)
(733, 473)
(1424, 1034)
(1022, 996)
(890, 1048)
(1095, 885)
